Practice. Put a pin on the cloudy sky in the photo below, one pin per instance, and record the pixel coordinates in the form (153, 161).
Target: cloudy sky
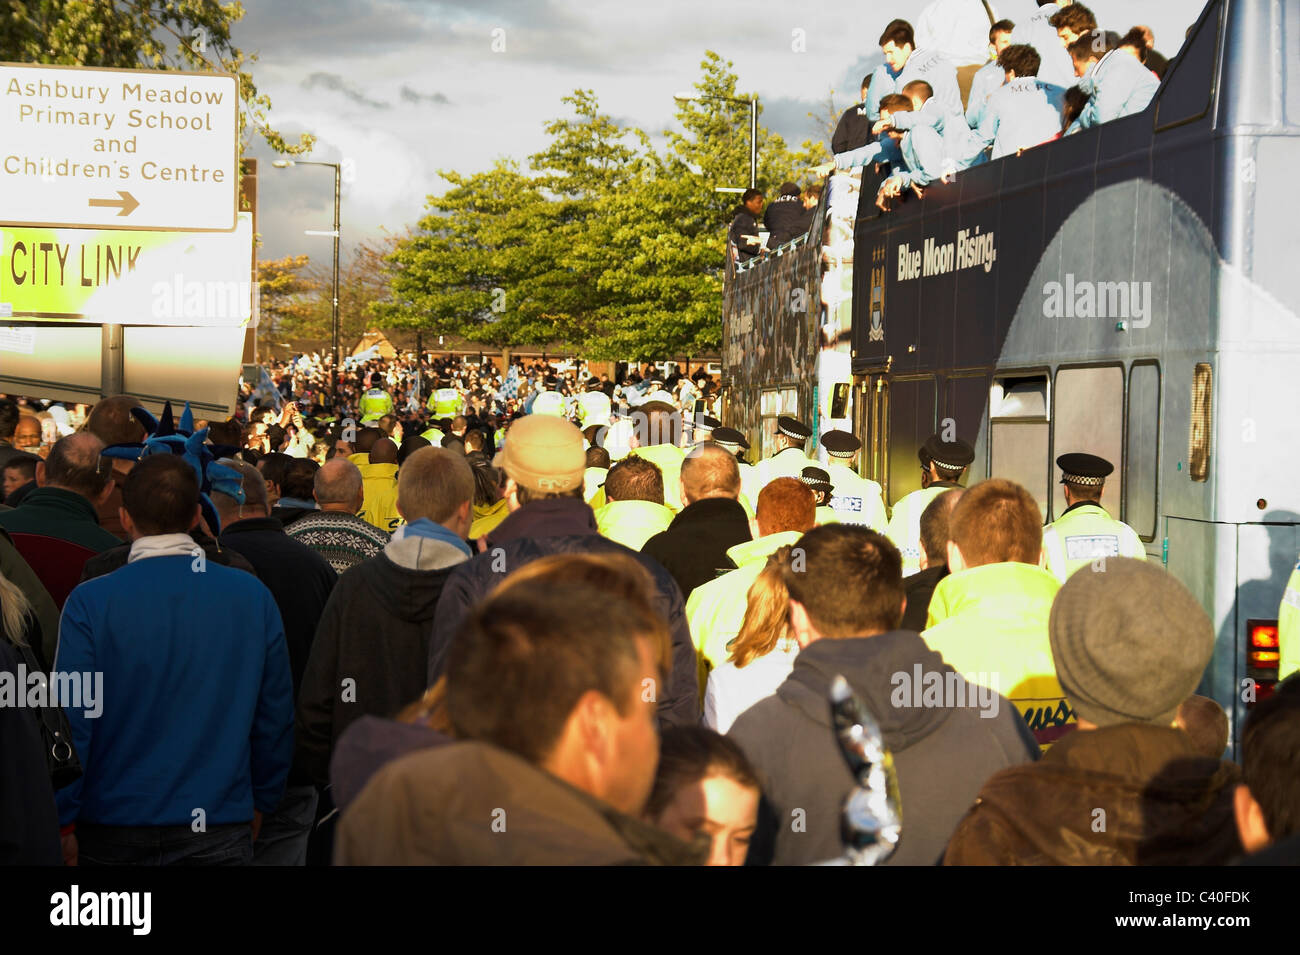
(399, 89)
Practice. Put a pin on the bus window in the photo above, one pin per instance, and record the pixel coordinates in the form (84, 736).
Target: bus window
(1189, 86)
(1018, 433)
(1143, 442)
(911, 422)
(1089, 417)
(1198, 441)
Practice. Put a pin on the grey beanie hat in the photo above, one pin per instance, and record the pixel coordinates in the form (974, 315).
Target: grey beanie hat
(1129, 641)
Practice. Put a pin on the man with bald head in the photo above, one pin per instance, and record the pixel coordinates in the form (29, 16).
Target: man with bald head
(56, 529)
(334, 531)
(379, 477)
(300, 580)
(694, 547)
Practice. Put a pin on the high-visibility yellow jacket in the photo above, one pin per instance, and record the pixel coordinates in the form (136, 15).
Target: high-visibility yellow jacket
(788, 462)
(856, 500)
(826, 515)
(990, 625)
(374, 404)
(446, 403)
(669, 457)
(1086, 533)
(380, 505)
(593, 483)
(716, 609)
(905, 526)
(593, 408)
(550, 402)
(632, 523)
(487, 517)
(1288, 627)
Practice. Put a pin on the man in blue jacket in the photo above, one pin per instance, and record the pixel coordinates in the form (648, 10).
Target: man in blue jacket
(905, 63)
(1116, 82)
(192, 740)
(1025, 111)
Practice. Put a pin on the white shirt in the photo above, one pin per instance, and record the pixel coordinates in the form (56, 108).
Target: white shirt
(732, 690)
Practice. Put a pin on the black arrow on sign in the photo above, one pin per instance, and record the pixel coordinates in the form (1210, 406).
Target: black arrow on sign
(127, 203)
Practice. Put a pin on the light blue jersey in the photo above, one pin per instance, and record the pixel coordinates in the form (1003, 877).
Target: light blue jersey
(982, 86)
(1056, 68)
(1021, 114)
(928, 65)
(938, 143)
(1117, 86)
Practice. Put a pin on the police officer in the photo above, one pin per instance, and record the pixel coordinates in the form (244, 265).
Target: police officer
(857, 500)
(820, 482)
(703, 428)
(1288, 627)
(376, 402)
(942, 465)
(549, 401)
(1085, 532)
(738, 444)
(593, 405)
(789, 459)
(446, 401)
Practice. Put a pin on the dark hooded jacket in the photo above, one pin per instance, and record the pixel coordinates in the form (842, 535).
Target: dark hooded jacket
(942, 753)
(919, 588)
(1161, 803)
(694, 548)
(565, 526)
(470, 803)
(375, 632)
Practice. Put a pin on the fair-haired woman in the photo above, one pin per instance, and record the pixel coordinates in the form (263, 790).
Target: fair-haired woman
(762, 655)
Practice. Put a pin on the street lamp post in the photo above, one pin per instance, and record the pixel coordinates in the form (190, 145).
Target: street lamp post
(752, 103)
(338, 176)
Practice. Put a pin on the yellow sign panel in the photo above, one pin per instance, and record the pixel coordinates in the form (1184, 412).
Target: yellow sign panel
(128, 278)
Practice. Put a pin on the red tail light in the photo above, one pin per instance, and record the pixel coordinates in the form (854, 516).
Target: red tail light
(1262, 657)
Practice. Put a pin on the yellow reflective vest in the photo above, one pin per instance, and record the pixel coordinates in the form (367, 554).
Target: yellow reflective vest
(669, 458)
(374, 404)
(905, 526)
(1288, 628)
(856, 499)
(632, 523)
(1086, 533)
(446, 403)
(380, 504)
(715, 610)
(989, 623)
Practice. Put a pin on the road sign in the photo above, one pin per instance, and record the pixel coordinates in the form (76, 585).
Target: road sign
(128, 277)
(118, 149)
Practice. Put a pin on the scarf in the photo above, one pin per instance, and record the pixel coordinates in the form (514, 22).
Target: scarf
(428, 529)
(163, 545)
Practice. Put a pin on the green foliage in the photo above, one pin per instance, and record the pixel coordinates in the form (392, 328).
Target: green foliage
(604, 243)
(149, 34)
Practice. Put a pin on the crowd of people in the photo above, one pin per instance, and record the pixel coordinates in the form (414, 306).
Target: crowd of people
(943, 101)
(593, 632)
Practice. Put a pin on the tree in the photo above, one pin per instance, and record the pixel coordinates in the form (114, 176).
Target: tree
(469, 269)
(661, 242)
(284, 294)
(154, 34)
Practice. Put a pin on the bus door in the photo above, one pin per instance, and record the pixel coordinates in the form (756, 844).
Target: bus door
(871, 425)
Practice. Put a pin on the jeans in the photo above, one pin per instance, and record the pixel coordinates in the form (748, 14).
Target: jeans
(228, 844)
(283, 837)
